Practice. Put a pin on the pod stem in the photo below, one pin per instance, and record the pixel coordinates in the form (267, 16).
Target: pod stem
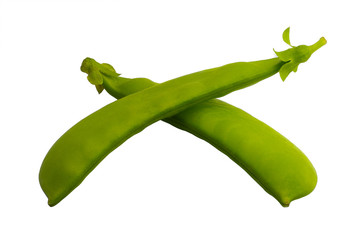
(322, 41)
(96, 72)
(296, 55)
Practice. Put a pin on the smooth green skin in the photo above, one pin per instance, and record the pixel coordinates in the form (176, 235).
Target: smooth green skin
(78, 151)
(269, 158)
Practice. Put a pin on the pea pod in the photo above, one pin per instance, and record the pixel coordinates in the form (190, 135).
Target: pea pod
(79, 150)
(269, 158)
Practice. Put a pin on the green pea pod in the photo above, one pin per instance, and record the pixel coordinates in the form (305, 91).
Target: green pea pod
(78, 151)
(269, 158)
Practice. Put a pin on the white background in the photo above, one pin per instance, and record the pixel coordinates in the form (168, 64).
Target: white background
(164, 183)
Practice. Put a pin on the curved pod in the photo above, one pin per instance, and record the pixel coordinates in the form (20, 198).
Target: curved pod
(275, 163)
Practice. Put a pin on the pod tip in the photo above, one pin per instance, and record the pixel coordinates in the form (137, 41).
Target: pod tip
(285, 205)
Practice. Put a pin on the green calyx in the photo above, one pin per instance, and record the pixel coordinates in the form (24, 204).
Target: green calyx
(296, 55)
(96, 72)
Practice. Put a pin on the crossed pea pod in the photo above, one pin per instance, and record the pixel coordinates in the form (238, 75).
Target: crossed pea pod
(189, 103)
